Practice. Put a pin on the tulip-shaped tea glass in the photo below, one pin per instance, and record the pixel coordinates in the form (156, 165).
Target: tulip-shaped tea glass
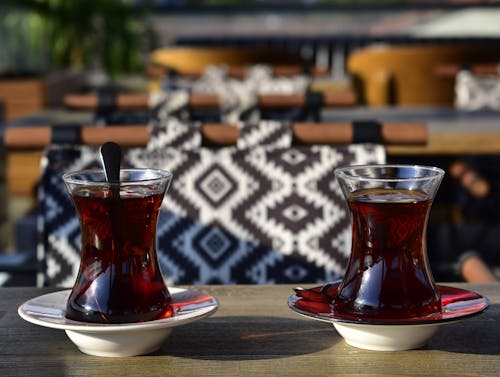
(119, 280)
(388, 274)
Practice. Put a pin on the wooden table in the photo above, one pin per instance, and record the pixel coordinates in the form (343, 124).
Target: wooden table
(253, 333)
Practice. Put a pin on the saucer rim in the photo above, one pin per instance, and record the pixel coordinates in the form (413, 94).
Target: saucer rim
(62, 323)
(402, 322)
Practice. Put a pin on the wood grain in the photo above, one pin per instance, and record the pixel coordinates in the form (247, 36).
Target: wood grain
(253, 334)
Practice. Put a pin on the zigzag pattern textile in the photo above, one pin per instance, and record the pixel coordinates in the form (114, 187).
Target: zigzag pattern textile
(264, 214)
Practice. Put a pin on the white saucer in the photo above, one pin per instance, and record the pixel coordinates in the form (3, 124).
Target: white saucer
(390, 335)
(113, 340)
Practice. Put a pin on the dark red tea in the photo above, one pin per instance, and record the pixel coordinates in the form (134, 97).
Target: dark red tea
(119, 279)
(388, 274)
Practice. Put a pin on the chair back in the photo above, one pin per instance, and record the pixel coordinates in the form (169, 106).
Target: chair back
(407, 74)
(263, 211)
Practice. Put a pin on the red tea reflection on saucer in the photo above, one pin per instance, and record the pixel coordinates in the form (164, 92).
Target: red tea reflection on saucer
(456, 304)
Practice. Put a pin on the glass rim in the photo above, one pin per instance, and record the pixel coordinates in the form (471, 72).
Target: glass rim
(70, 177)
(342, 172)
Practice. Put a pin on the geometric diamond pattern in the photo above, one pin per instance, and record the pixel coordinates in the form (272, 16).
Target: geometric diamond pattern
(266, 214)
(214, 244)
(295, 212)
(216, 185)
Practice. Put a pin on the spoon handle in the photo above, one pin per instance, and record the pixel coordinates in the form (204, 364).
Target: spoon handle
(111, 155)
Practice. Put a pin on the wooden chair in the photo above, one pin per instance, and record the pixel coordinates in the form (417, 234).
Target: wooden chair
(192, 61)
(291, 94)
(264, 211)
(409, 75)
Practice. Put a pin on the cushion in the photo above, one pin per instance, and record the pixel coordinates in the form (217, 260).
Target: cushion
(265, 214)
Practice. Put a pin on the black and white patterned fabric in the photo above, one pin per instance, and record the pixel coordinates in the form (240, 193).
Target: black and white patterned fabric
(265, 133)
(265, 214)
(238, 97)
(175, 133)
(477, 92)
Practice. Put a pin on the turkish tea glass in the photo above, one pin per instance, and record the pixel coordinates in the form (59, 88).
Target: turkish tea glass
(119, 280)
(388, 274)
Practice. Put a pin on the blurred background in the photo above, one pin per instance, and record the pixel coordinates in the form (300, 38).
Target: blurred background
(115, 37)
(52, 48)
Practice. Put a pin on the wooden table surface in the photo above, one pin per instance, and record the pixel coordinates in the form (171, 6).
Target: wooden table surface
(253, 333)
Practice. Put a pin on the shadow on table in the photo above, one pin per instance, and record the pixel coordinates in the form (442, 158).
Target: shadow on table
(478, 335)
(249, 338)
